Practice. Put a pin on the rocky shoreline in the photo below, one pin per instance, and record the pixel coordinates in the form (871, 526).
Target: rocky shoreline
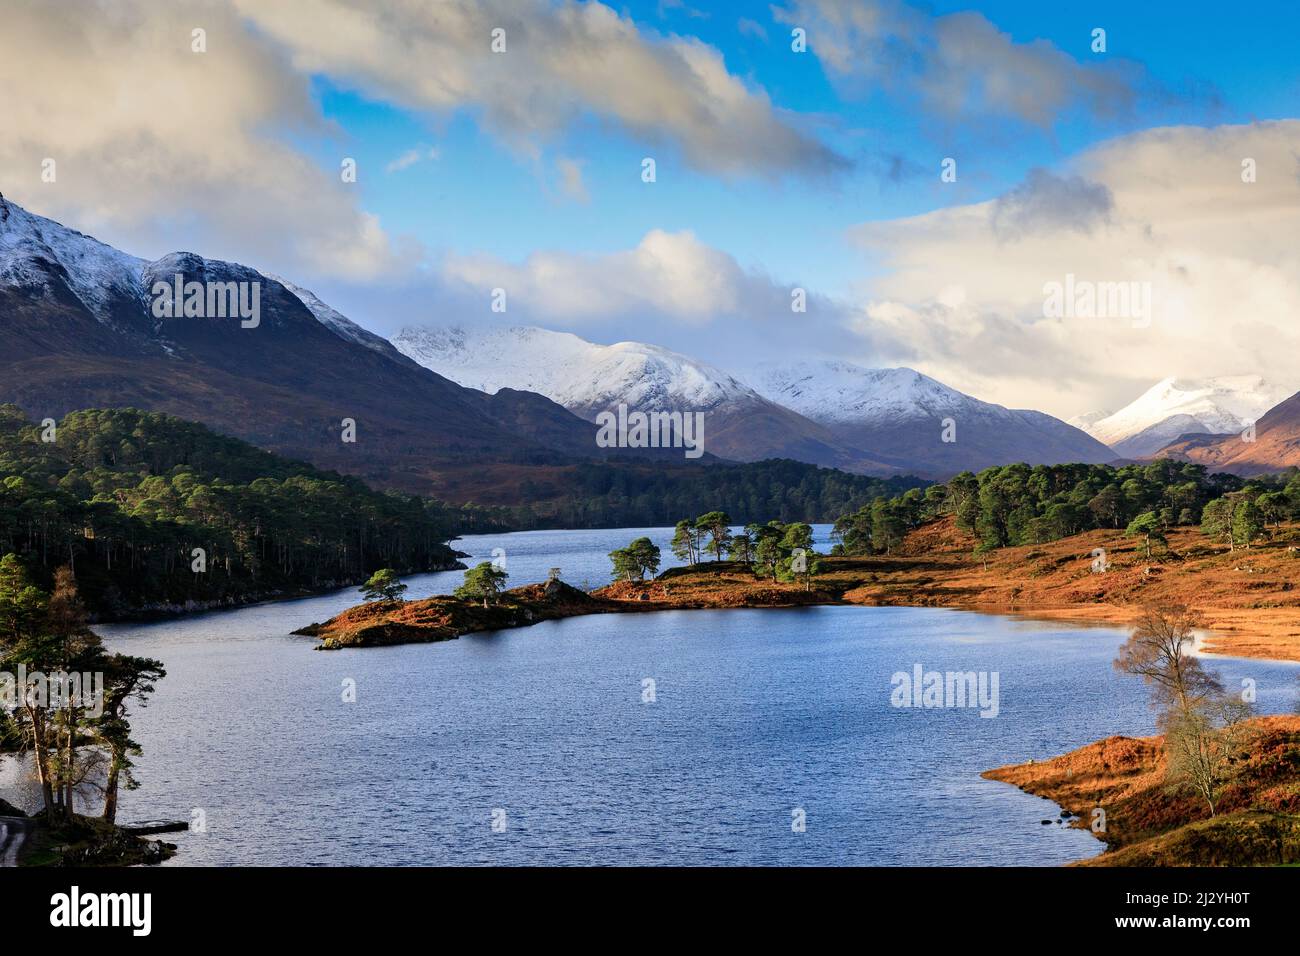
(85, 841)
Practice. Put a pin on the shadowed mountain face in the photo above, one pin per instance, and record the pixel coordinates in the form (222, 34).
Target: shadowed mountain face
(914, 423)
(80, 331)
(1276, 445)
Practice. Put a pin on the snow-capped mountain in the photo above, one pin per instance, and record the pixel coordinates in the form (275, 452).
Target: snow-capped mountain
(1174, 407)
(899, 414)
(587, 379)
(97, 274)
(840, 393)
(334, 320)
(80, 331)
(584, 377)
(1274, 445)
(880, 421)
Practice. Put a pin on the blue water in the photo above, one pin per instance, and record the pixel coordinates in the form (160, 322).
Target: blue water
(757, 714)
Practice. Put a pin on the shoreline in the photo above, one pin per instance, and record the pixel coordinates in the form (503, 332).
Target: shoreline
(1141, 823)
(173, 612)
(1170, 830)
(934, 568)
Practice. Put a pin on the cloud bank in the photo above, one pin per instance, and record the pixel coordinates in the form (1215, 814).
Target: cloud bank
(963, 290)
(958, 64)
(157, 146)
(164, 138)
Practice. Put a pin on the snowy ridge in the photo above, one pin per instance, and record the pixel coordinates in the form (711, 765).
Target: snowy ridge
(582, 376)
(1174, 407)
(332, 319)
(840, 393)
(96, 273)
(33, 250)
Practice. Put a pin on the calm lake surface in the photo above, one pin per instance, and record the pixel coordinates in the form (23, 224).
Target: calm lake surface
(757, 714)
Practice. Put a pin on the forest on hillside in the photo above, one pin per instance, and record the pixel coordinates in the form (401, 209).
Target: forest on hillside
(151, 510)
(629, 495)
(1023, 504)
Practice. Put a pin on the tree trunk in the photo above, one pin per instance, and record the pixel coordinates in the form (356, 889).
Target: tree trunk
(110, 791)
(68, 765)
(40, 756)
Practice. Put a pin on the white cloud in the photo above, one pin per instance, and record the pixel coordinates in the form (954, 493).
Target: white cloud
(962, 293)
(959, 64)
(158, 147)
(670, 289)
(673, 275)
(410, 157)
(561, 62)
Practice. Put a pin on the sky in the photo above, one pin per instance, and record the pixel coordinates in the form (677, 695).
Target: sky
(1075, 160)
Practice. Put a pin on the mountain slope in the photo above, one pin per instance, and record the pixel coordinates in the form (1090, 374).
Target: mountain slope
(79, 333)
(899, 416)
(587, 379)
(337, 322)
(1276, 444)
(1175, 407)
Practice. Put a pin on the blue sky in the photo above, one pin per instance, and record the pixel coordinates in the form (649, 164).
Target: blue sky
(820, 170)
(1206, 69)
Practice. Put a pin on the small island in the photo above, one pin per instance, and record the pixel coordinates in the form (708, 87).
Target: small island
(1247, 597)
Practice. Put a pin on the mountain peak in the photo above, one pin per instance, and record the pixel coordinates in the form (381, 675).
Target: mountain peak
(1174, 406)
(36, 253)
(837, 392)
(583, 376)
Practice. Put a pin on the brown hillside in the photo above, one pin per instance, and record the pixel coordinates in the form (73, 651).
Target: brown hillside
(1276, 445)
(1250, 598)
(1150, 823)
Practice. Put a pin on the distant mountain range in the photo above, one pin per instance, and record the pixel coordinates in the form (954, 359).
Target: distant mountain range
(740, 424)
(498, 415)
(905, 417)
(79, 332)
(1176, 407)
(873, 421)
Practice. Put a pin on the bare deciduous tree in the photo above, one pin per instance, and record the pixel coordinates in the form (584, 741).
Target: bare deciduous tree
(1203, 742)
(1158, 651)
(1205, 728)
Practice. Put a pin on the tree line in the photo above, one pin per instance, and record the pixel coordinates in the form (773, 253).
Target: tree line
(625, 494)
(779, 550)
(1022, 504)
